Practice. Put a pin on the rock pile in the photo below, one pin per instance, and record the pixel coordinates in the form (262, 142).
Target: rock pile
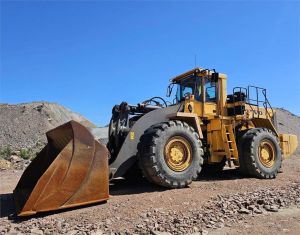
(220, 211)
(24, 125)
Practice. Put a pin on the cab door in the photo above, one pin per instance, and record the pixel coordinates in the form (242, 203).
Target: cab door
(203, 100)
(205, 97)
(210, 97)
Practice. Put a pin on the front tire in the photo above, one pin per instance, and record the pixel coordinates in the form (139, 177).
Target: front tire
(170, 154)
(261, 153)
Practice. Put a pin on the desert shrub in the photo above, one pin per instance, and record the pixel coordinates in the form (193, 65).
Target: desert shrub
(39, 145)
(6, 152)
(25, 154)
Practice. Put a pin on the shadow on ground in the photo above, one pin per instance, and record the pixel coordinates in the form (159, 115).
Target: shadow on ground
(141, 185)
(7, 206)
(126, 187)
(226, 174)
(118, 186)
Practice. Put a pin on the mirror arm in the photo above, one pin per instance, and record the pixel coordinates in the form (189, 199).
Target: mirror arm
(170, 89)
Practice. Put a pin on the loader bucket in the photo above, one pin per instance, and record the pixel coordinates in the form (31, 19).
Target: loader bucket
(72, 170)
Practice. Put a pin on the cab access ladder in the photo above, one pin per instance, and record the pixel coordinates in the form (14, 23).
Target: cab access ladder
(229, 143)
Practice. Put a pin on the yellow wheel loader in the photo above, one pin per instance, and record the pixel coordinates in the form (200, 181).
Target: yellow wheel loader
(169, 142)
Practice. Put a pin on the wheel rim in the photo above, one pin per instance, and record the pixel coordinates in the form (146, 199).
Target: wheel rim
(178, 153)
(267, 153)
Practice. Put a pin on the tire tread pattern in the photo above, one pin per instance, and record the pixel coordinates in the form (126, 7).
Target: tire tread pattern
(147, 149)
(248, 154)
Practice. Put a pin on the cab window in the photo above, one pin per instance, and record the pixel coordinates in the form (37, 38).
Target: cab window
(187, 90)
(198, 95)
(210, 91)
(187, 86)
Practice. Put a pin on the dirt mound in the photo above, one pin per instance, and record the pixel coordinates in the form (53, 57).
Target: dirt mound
(289, 123)
(24, 125)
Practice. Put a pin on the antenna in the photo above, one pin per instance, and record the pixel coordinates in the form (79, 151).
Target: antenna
(195, 60)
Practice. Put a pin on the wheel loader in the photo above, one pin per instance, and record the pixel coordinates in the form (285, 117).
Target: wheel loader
(168, 142)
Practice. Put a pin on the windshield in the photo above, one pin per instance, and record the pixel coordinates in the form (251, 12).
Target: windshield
(192, 86)
(187, 86)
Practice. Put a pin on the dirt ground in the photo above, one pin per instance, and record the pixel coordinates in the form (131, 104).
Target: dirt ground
(131, 204)
(286, 221)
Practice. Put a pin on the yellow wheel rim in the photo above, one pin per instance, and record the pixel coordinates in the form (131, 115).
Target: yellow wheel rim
(178, 153)
(267, 153)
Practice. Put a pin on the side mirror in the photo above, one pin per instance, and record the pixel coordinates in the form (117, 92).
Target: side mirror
(169, 89)
(214, 77)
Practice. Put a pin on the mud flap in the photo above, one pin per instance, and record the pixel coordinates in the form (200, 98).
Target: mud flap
(72, 170)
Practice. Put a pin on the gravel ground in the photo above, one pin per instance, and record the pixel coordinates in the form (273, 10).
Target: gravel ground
(213, 204)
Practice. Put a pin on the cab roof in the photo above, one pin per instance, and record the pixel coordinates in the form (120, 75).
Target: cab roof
(186, 74)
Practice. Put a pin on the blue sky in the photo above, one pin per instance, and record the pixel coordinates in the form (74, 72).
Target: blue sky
(91, 55)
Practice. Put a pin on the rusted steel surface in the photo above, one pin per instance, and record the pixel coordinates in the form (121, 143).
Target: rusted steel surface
(72, 170)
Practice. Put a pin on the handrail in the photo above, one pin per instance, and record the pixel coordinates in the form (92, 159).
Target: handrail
(240, 89)
(266, 104)
(255, 101)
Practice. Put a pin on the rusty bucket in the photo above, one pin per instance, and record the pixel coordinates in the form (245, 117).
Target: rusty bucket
(72, 170)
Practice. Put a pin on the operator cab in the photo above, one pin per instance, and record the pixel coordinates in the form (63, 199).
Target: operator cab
(201, 91)
(199, 83)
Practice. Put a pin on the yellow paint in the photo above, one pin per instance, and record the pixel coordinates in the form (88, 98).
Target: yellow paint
(178, 153)
(220, 128)
(221, 137)
(266, 153)
(288, 144)
(132, 135)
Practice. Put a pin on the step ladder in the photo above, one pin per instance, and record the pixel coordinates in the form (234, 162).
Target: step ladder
(229, 142)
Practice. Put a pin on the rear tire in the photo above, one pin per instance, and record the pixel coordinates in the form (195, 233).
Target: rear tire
(170, 154)
(261, 153)
(240, 141)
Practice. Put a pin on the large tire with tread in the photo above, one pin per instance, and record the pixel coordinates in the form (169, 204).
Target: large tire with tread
(243, 169)
(134, 174)
(153, 154)
(261, 154)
